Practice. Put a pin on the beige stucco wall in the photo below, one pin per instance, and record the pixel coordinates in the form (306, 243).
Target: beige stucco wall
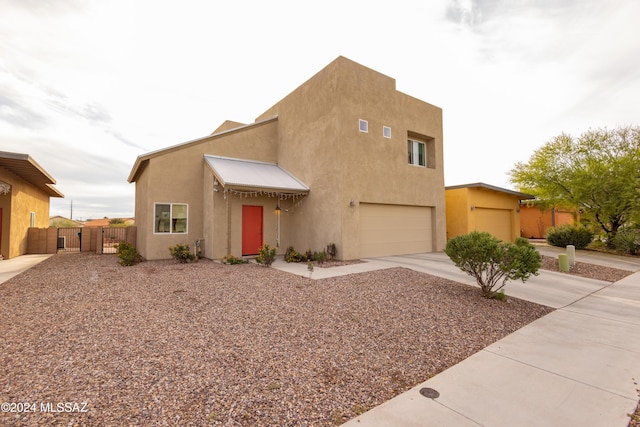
(223, 220)
(17, 206)
(179, 176)
(320, 143)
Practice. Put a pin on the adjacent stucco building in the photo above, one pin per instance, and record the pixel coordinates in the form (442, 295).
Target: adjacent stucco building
(345, 158)
(25, 190)
(483, 207)
(534, 221)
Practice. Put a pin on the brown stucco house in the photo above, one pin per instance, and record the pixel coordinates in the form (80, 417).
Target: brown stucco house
(483, 207)
(345, 159)
(25, 191)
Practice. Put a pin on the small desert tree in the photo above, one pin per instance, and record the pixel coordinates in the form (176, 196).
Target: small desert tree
(493, 262)
(596, 172)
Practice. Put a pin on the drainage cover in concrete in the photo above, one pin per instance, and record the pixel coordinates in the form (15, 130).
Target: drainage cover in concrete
(429, 392)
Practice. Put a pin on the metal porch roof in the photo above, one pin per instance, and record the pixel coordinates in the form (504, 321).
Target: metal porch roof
(254, 175)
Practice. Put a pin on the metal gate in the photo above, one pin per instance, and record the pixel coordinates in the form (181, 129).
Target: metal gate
(69, 239)
(111, 237)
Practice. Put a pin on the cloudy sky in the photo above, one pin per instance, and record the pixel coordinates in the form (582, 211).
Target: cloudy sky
(87, 86)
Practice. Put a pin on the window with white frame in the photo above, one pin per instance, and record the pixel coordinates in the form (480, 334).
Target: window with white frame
(363, 126)
(386, 131)
(32, 219)
(417, 152)
(170, 218)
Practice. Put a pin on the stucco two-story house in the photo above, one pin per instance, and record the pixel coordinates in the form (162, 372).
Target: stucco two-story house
(345, 159)
(25, 192)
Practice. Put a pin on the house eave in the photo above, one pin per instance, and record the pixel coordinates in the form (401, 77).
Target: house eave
(521, 196)
(26, 168)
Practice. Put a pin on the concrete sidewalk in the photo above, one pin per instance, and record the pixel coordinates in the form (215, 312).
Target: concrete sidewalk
(14, 266)
(578, 366)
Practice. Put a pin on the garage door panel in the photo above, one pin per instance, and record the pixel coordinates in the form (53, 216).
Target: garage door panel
(394, 230)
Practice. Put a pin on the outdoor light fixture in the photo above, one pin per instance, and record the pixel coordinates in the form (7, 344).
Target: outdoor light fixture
(4, 188)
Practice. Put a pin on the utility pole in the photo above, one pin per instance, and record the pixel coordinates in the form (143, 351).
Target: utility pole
(71, 217)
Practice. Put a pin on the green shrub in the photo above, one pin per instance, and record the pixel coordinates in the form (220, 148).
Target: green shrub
(128, 254)
(493, 262)
(567, 234)
(182, 253)
(291, 255)
(628, 240)
(266, 255)
(233, 260)
(319, 257)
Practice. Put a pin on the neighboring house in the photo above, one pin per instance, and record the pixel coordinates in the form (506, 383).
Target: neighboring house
(345, 159)
(25, 189)
(534, 222)
(483, 207)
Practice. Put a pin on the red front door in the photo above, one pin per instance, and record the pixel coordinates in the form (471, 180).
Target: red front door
(251, 229)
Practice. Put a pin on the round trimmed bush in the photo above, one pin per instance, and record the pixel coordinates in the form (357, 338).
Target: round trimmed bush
(567, 234)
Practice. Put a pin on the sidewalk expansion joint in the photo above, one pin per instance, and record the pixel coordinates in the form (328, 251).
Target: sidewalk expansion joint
(560, 375)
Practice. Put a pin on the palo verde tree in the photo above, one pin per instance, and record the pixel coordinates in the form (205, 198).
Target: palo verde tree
(597, 173)
(492, 262)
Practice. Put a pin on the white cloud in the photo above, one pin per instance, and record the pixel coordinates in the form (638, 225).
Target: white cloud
(107, 81)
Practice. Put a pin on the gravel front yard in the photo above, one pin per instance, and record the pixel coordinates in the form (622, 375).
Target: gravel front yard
(162, 343)
(591, 271)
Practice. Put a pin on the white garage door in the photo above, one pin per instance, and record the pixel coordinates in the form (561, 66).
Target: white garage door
(394, 230)
(494, 221)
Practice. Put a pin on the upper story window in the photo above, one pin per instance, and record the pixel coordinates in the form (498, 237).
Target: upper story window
(363, 126)
(417, 152)
(386, 131)
(170, 218)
